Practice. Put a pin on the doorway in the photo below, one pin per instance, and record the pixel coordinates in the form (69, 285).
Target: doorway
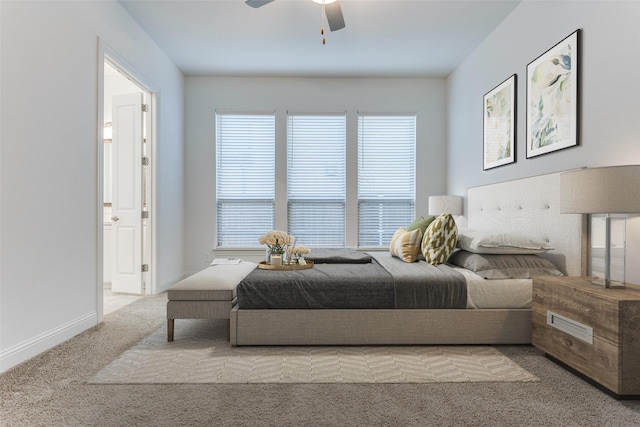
(126, 250)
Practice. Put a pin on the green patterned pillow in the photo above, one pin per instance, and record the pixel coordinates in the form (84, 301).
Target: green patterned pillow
(406, 244)
(440, 239)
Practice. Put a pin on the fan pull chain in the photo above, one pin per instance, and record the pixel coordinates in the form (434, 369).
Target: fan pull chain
(323, 18)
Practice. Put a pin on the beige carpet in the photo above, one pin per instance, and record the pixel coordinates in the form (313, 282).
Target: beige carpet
(201, 354)
(52, 389)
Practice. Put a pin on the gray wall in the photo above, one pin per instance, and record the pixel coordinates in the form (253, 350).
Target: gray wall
(610, 119)
(206, 94)
(50, 213)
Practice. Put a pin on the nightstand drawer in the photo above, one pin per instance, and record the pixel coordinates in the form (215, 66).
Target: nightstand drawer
(595, 331)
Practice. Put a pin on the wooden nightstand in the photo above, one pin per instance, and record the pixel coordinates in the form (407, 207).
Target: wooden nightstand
(595, 331)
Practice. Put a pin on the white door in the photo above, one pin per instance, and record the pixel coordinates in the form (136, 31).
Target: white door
(127, 172)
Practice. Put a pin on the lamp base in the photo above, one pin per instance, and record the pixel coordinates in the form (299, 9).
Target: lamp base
(607, 233)
(601, 281)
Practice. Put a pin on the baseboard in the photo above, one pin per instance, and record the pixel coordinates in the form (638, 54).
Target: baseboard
(26, 350)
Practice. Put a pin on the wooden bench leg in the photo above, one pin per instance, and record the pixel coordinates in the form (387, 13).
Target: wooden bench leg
(228, 329)
(170, 329)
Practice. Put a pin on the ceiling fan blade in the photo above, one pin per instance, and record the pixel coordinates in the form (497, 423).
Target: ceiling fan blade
(334, 15)
(257, 3)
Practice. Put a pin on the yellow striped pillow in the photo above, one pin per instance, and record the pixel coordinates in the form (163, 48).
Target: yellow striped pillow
(406, 244)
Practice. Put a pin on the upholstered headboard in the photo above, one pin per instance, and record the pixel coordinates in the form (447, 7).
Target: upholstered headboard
(531, 206)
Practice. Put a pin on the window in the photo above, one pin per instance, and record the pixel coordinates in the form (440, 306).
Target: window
(386, 176)
(316, 178)
(245, 177)
(381, 195)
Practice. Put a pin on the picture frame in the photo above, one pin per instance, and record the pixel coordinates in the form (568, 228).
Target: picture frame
(499, 124)
(553, 98)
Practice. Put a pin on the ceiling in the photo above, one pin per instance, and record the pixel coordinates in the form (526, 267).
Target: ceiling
(397, 38)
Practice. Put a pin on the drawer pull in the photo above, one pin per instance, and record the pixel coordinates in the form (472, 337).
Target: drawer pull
(571, 327)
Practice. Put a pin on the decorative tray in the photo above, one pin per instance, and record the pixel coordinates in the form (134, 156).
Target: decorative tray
(265, 266)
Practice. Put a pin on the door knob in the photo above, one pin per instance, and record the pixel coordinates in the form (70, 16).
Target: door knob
(115, 218)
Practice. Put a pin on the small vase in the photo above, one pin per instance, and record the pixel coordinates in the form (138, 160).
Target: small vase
(267, 256)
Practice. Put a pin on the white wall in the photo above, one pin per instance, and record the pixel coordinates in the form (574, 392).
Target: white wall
(206, 94)
(610, 118)
(49, 212)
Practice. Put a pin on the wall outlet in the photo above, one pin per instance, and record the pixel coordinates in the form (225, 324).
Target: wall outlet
(208, 256)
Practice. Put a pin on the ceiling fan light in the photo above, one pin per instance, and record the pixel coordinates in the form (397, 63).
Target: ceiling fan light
(323, 1)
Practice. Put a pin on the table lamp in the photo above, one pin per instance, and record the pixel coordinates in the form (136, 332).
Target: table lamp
(445, 204)
(606, 194)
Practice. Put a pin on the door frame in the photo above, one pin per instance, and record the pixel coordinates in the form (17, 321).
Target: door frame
(108, 54)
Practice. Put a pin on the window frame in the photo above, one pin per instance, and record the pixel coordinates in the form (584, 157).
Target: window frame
(335, 201)
(352, 199)
(256, 198)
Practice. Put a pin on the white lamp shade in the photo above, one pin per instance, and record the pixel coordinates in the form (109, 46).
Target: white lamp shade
(612, 190)
(445, 204)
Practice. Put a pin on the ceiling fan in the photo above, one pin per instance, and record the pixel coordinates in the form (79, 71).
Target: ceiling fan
(332, 10)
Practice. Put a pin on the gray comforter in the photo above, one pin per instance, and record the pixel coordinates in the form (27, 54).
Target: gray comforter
(383, 283)
(422, 285)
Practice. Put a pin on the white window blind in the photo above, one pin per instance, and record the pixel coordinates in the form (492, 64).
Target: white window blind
(245, 178)
(386, 176)
(316, 178)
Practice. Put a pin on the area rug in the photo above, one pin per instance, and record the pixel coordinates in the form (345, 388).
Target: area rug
(201, 354)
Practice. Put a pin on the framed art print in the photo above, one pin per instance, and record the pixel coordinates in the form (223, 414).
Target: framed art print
(552, 98)
(499, 125)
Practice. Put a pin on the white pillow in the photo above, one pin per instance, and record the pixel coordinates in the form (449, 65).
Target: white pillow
(482, 242)
(500, 266)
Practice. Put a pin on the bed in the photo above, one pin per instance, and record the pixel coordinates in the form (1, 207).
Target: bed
(529, 206)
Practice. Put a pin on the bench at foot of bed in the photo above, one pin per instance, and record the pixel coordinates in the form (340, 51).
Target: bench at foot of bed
(208, 294)
(197, 310)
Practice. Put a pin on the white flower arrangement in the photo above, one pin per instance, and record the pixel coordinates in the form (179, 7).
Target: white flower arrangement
(297, 252)
(280, 242)
(276, 241)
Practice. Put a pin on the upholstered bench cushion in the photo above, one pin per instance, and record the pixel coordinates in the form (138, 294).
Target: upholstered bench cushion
(214, 283)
